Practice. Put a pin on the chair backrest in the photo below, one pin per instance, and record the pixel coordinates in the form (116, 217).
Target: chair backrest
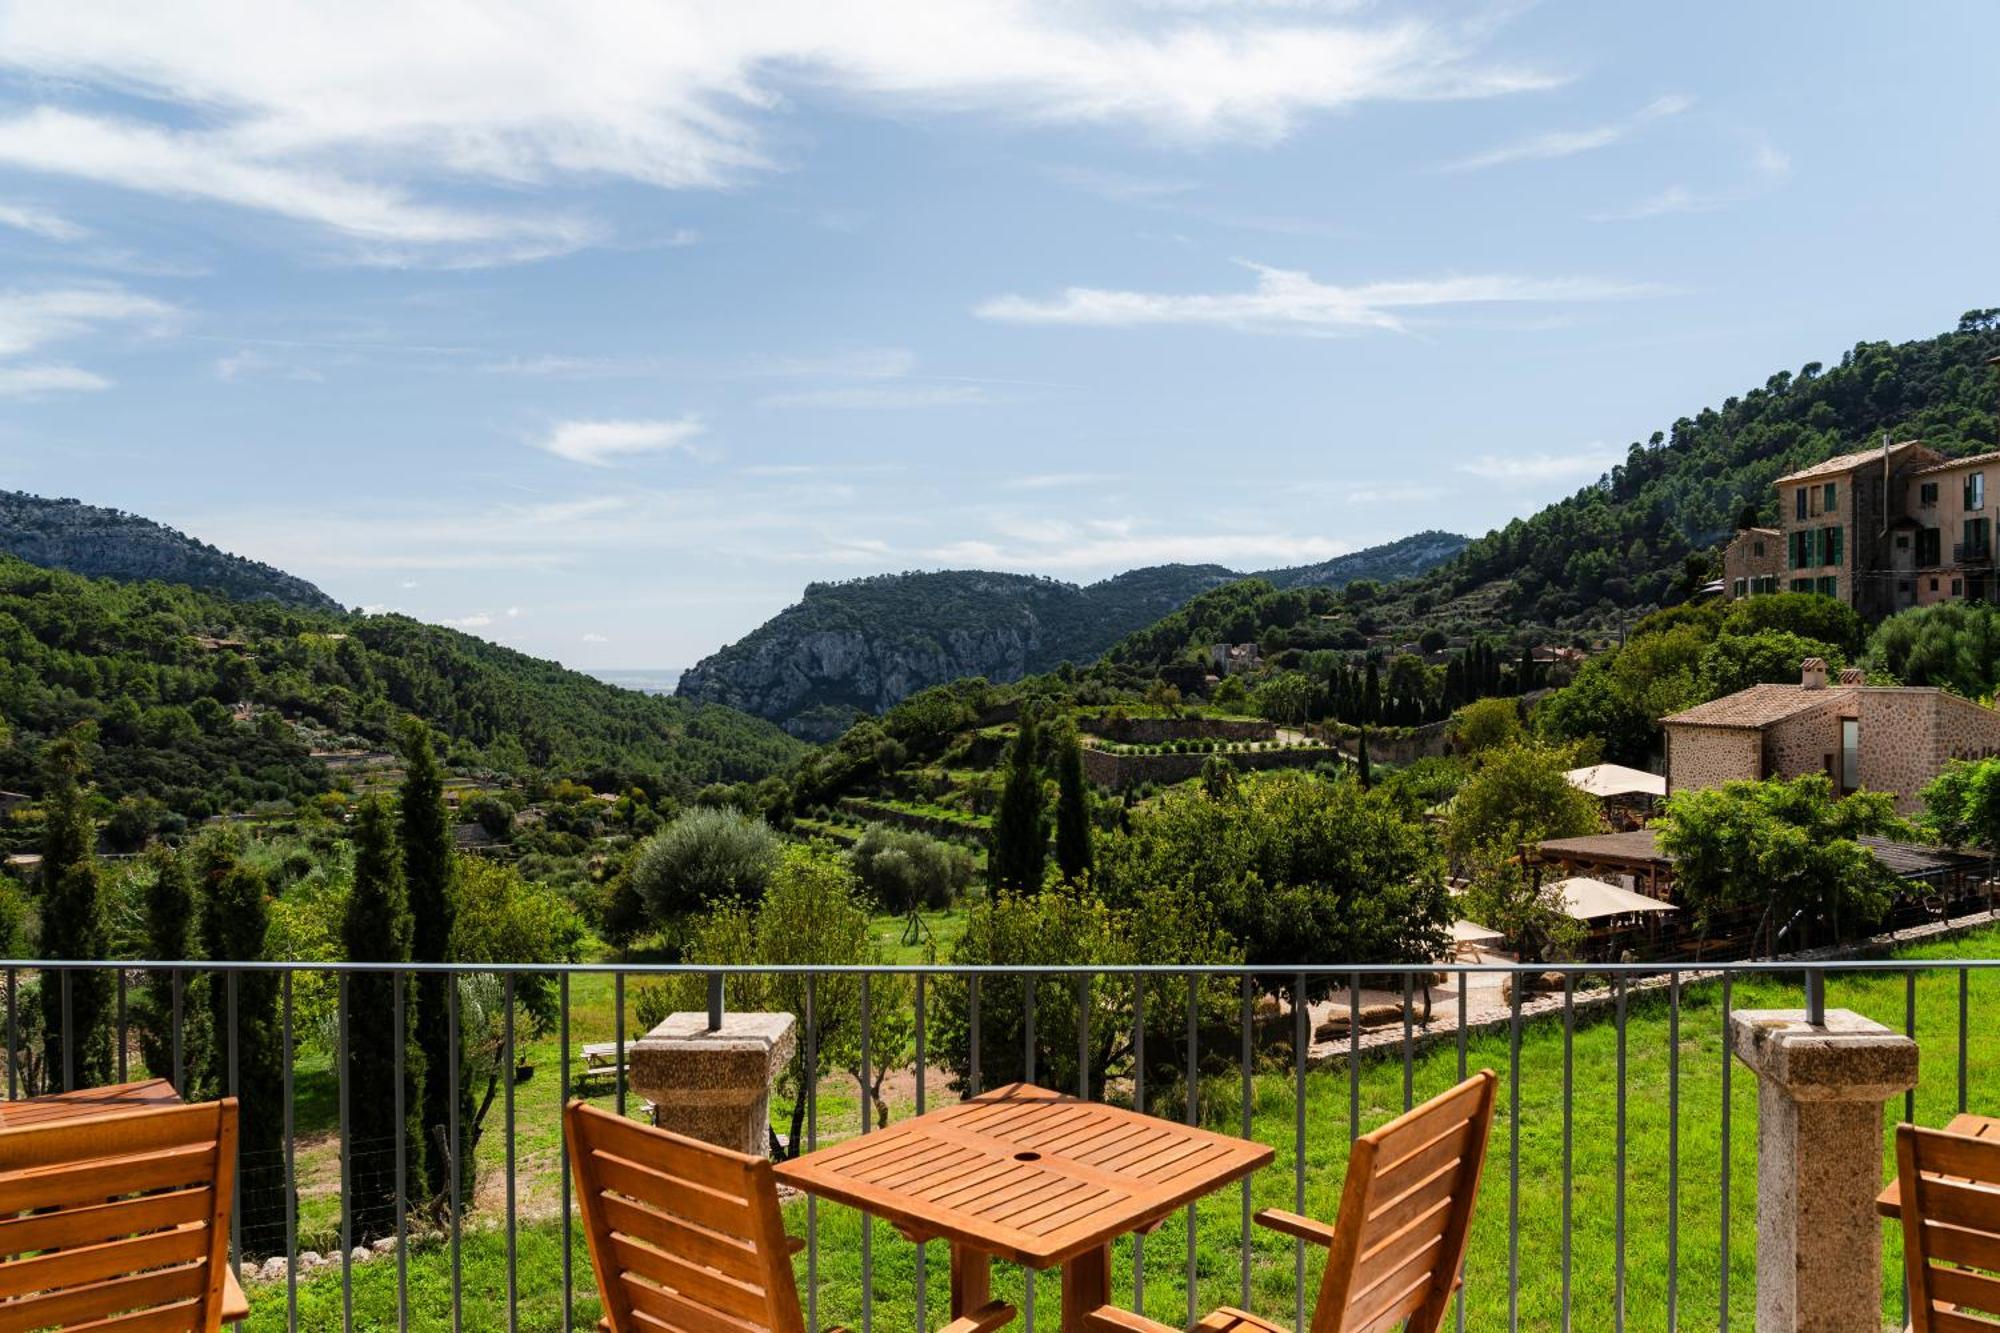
(1951, 1227)
(683, 1235)
(1404, 1213)
(123, 1214)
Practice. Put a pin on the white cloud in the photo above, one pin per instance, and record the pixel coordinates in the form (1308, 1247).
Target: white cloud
(249, 361)
(595, 638)
(1051, 481)
(1768, 168)
(1568, 143)
(887, 396)
(598, 443)
(1288, 300)
(291, 115)
(477, 620)
(513, 613)
(1388, 495)
(28, 381)
(40, 222)
(1530, 469)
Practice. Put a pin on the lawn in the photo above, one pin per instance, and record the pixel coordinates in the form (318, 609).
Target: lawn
(1651, 1202)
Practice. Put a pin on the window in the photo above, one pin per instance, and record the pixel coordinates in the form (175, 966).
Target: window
(1740, 588)
(1829, 586)
(1850, 753)
(1757, 549)
(1929, 548)
(1958, 587)
(1933, 585)
(1800, 501)
(1902, 541)
(1827, 501)
(1975, 492)
(1927, 493)
(1830, 543)
(1977, 546)
(1804, 585)
(1769, 583)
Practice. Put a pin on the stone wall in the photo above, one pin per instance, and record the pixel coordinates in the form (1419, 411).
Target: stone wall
(1155, 730)
(1119, 771)
(1699, 757)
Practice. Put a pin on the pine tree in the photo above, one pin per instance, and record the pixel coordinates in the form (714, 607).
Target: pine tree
(247, 1051)
(77, 1052)
(427, 877)
(1020, 840)
(170, 923)
(378, 929)
(1073, 851)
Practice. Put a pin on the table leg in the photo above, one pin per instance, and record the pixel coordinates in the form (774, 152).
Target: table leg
(1086, 1286)
(971, 1280)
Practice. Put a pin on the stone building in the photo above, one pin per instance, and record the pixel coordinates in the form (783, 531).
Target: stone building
(1889, 738)
(1752, 561)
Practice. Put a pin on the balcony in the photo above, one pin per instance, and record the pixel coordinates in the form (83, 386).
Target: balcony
(1620, 1185)
(1973, 553)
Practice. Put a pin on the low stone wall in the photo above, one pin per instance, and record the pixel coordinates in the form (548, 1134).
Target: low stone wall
(1398, 746)
(1155, 730)
(909, 819)
(1119, 771)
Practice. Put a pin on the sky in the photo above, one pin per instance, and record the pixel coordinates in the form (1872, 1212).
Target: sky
(600, 330)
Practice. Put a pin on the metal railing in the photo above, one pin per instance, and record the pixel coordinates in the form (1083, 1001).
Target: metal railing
(1554, 1242)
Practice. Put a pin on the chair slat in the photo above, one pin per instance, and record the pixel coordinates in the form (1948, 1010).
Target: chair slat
(675, 1311)
(1947, 1221)
(1957, 1245)
(725, 1254)
(717, 1212)
(104, 1221)
(1966, 1289)
(97, 1179)
(59, 1309)
(705, 1286)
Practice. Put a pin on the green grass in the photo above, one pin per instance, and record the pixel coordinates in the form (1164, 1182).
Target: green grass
(1539, 1125)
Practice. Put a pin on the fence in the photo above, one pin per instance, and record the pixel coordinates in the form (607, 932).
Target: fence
(1620, 1187)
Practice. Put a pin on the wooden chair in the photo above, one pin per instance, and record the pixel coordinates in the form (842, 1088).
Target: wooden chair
(1394, 1255)
(686, 1236)
(1951, 1228)
(118, 1221)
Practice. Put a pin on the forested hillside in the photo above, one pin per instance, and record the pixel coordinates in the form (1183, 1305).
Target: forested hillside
(1626, 542)
(207, 704)
(109, 543)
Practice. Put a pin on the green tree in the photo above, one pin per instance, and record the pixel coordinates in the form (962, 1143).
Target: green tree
(1517, 796)
(235, 919)
(1285, 698)
(702, 859)
(169, 937)
(1809, 615)
(1955, 645)
(1020, 831)
(424, 828)
(1767, 657)
(1784, 846)
(1073, 840)
(378, 929)
(73, 925)
(903, 869)
(1486, 724)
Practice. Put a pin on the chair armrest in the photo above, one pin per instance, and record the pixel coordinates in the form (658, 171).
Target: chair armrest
(1277, 1219)
(794, 1244)
(1111, 1319)
(988, 1317)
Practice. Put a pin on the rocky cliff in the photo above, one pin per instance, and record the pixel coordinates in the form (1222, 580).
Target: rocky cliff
(108, 543)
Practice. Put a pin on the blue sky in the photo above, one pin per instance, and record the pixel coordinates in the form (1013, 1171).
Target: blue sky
(602, 330)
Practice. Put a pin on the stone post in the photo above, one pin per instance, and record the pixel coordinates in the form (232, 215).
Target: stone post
(1820, 1092)
(714, 1084)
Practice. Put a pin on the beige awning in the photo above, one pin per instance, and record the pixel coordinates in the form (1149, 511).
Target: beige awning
(1602, 780)
(1472, 933)
(1586, 899)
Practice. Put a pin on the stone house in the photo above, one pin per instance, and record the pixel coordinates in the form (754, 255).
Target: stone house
(1888, 738)
(1846, 529)
(1752, 561)
(1234, 659)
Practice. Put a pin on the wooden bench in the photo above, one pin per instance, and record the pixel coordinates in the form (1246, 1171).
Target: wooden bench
(601, 1059)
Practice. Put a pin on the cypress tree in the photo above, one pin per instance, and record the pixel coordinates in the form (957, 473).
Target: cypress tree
(170, 921)
(433, 900)
(1526, 671)
(378, 929)
(1020, 841)
(1371, 695)
(1073, 852)
(235, 918)
(1361, 759)
(72, 903)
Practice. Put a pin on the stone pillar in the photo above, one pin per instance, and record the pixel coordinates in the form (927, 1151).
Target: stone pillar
(714, 1084)
(1820, 1092)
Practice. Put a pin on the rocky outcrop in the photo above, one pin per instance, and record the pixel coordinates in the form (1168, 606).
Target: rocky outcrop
(108, 543)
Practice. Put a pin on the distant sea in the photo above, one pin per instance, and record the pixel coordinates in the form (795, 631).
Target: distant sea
(649, 680)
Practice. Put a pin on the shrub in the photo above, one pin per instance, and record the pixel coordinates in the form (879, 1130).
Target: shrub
(902, 869)
(705, 857)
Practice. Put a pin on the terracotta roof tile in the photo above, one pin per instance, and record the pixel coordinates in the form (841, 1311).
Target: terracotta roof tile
(1759, 706)
(1951, 463)
(1846, 462)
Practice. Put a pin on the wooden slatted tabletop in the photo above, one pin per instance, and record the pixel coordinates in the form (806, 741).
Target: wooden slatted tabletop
(1029, 1175)
(1889, 1203)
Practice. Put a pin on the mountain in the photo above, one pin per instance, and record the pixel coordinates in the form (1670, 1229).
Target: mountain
(109, 543)
(866, 644)
(205, 704)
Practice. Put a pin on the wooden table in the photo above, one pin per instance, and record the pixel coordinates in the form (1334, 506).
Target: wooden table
(1889, 1203)
(83, 1102)
(1028, 1175)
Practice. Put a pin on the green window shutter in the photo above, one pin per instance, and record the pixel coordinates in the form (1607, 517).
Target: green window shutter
(1837, 534)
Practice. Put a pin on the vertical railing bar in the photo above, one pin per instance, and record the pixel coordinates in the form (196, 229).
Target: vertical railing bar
(68, 1031)
(1722, 1289)
(1963, 984)
(1673, 1149)
(1083, 1036)
(1353, 1056)
(1139, 1105)
(1514, 1158)
(398, 1015)
(124, 1072)
(1409, 1081)
(234, 1087)
(867, 1219)
(1458, 1298)
(454, 1187)
(1243, 1247)
(346, 1165)
(1618, 1193)
(179, 1043)
(1193, 1117)
(1030, 984)
(811, 1093)
(972, 1017)
(562, 1144)
(13, 1040)
(917, 1041)
(1909, 1102)
(1301, 1044)
(291, 1167)
(507, 1068)
(1569, 1147)
(618, 1036)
